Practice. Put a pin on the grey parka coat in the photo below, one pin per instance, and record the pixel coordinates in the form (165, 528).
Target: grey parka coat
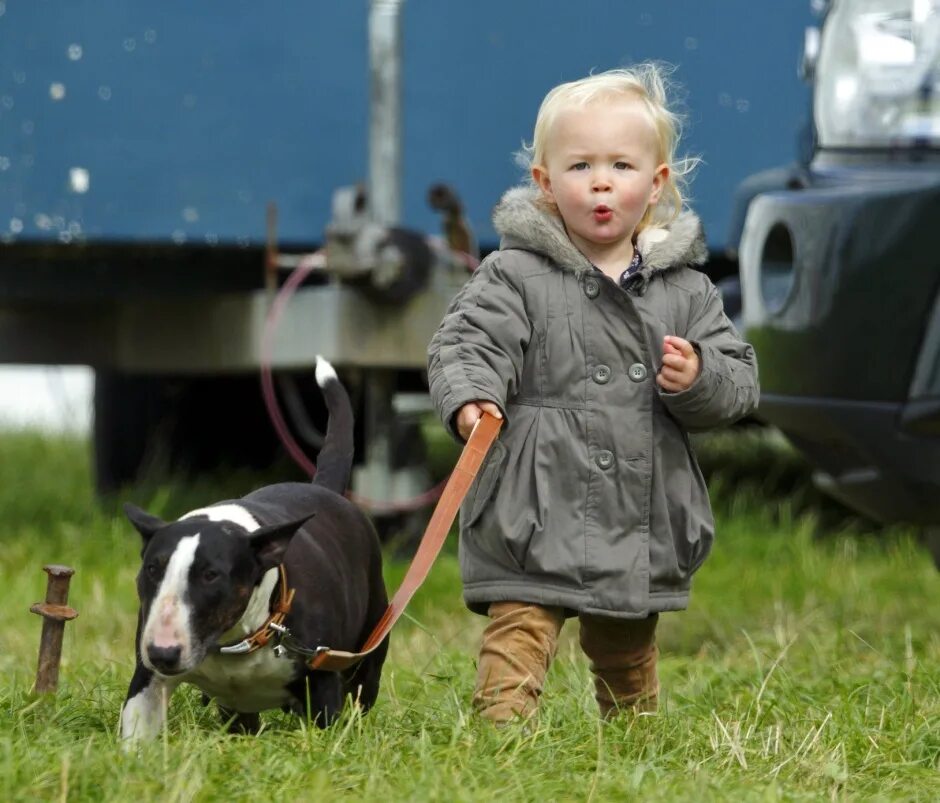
(591, 499)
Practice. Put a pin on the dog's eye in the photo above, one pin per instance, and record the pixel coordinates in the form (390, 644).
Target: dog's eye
(210, 576)
(153, 570)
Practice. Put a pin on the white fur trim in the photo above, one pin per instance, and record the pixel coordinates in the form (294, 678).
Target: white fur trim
(649, 237)
(524, 224)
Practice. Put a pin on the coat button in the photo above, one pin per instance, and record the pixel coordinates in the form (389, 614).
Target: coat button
(602, 374)
(591, 288)
(637, 372)
(604, 459)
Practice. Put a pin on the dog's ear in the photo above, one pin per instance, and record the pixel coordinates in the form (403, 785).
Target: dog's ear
(270, 543)
(145, 523)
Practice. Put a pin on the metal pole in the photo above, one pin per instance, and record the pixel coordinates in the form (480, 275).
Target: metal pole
(385, 111)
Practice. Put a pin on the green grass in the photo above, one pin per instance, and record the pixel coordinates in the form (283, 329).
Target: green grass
(807, 667)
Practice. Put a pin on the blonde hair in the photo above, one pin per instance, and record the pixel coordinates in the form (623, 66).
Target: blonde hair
(648, 83)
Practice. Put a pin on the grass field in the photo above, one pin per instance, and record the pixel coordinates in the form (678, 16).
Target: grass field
(806, 668)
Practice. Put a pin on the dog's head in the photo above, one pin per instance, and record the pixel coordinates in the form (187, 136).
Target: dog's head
(195, 581)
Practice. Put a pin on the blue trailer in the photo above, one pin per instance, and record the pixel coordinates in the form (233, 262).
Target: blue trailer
(141, 145)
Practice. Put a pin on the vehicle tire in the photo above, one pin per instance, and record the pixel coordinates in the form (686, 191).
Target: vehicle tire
(146, 425)
(931, 538)
(126, 409)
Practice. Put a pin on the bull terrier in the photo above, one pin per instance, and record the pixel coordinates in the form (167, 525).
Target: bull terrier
(212, 580)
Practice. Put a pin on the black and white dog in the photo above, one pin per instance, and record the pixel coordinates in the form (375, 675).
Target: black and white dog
(212, 577)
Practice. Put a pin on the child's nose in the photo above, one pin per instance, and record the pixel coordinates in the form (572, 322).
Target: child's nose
(601, 181)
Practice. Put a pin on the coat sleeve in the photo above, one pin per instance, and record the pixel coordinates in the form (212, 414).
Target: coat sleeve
(727, 386)
(477, 352)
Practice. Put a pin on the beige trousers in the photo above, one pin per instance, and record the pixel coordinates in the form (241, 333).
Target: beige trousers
(520, 642)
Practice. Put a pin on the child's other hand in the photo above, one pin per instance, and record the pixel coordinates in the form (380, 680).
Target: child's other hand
(680, 365)
(470, 413)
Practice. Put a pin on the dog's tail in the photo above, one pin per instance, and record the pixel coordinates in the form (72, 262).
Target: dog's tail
(334, 462)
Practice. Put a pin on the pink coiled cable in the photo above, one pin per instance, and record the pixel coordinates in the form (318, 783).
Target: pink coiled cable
(305, 267)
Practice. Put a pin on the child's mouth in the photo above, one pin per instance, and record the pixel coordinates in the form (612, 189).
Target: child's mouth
(603, 213)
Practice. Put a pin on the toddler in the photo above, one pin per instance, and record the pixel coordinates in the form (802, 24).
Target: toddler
(590, 332)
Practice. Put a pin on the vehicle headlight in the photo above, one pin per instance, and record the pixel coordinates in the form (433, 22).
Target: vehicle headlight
(878, 74)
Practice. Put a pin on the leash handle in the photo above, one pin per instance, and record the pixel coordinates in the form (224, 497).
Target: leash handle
(468, 465)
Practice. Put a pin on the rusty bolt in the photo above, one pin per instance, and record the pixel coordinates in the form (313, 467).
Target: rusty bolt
(55, 613)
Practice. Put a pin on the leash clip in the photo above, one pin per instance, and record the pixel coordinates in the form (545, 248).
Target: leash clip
(280, 632)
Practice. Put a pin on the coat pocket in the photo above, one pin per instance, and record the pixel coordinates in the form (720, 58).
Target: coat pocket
(484, 486)
(694, 541)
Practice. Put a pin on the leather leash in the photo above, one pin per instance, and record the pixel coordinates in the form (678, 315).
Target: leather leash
(471, 458)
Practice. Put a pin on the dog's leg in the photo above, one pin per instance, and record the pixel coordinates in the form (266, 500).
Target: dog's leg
(144, 710)
(239, 722)
(362, 685)
(319, 697)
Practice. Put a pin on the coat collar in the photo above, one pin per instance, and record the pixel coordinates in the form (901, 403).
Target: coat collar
(521, 223)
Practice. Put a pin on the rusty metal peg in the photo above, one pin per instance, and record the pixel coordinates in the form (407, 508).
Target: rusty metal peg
(55, 614)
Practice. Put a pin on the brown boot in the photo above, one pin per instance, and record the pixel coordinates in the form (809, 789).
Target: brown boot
(623, 657)
(518, 646)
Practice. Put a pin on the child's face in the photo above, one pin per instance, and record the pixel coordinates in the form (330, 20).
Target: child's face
(602, 171)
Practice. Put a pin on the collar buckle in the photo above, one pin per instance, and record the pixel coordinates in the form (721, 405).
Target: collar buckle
(272, 627)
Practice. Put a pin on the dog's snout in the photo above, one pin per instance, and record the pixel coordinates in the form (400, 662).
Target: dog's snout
(165, 659)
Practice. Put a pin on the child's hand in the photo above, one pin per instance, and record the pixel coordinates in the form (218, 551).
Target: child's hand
(470, 413)
(680, 365)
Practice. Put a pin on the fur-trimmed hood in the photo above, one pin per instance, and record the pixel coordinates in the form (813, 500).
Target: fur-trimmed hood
(521, 223)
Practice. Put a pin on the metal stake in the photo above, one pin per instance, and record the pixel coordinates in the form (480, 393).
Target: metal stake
(55, 613)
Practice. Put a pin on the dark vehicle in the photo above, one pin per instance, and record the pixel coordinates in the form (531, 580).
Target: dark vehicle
(840, 265)
(141, 143)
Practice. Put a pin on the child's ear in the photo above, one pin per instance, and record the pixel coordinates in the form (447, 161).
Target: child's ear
(660, 177)
(541, 178)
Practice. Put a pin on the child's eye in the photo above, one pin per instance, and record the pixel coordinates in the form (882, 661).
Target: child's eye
(621, 166)
(579, 166)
